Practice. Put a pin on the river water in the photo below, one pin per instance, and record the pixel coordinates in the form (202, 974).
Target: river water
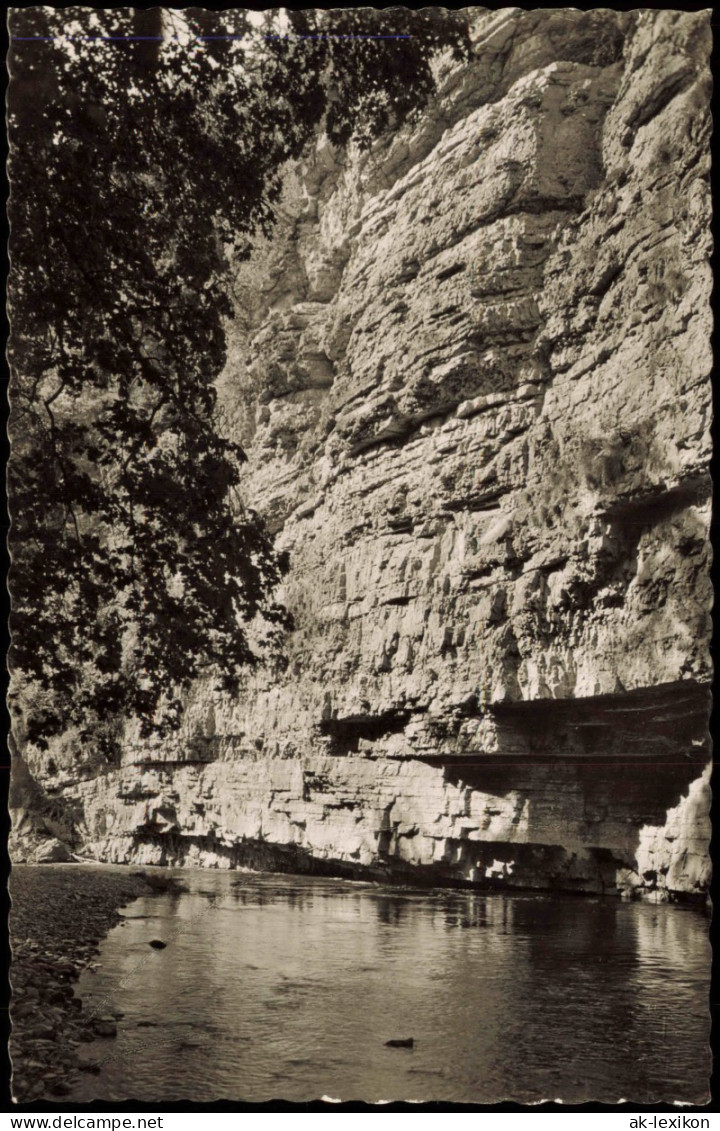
(279, 987)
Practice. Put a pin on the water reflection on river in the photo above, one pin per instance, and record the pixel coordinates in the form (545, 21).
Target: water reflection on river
(275, 987)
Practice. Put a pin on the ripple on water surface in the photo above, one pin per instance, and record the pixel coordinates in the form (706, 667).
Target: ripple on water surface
(274, 987)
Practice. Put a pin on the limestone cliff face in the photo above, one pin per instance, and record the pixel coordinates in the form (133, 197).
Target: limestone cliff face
(475, 392)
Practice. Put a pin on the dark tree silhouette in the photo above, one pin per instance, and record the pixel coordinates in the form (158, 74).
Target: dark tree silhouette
(142, 168)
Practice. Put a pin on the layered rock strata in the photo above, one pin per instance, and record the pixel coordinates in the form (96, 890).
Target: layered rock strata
(476, 397)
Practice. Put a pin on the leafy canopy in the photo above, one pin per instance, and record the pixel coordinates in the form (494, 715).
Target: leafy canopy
(147, 150)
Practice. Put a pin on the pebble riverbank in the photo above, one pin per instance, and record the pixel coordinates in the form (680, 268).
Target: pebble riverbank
(60, 913)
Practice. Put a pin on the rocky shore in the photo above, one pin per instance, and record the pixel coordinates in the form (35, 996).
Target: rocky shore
(59, 915)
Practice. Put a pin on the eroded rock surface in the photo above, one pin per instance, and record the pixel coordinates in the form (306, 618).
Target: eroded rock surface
(475, 393)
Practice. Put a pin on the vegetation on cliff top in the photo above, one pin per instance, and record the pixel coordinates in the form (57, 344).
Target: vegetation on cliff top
(146, 155)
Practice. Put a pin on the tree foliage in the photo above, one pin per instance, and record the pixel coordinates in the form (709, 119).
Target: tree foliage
(142, 168)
